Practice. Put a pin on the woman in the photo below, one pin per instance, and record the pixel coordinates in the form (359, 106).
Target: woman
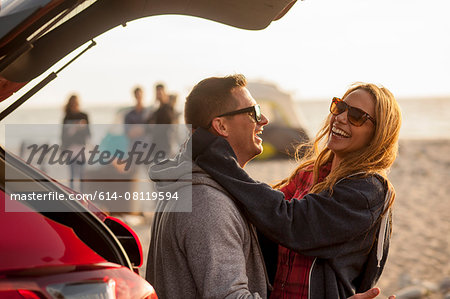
(74, 137)
(332, 227)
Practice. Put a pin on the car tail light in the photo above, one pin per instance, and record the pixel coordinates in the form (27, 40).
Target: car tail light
(110, 282)
(88, 290)
(117, 287)
(29, 294)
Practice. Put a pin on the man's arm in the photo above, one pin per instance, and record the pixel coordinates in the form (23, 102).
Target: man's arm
(212, 238)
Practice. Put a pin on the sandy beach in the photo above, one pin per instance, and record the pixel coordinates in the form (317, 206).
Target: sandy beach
(420, 250)
(419, 256)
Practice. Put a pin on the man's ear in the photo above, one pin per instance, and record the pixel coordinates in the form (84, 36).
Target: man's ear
(219, 126)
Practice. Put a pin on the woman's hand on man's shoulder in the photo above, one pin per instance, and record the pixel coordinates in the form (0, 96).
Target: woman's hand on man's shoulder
(372, 293)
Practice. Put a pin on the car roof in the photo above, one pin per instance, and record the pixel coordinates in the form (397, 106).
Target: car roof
(36, 34)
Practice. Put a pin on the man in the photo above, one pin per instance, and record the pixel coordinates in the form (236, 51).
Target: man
(213, 250)
(164, 115)
(137, 114)
(136, 135)
(136, 117)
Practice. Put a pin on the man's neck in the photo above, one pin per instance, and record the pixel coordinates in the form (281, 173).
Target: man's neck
(243, 163)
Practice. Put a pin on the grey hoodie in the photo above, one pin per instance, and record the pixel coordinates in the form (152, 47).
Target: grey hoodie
(209, 252)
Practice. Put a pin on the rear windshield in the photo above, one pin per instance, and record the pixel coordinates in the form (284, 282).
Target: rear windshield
(14, 12)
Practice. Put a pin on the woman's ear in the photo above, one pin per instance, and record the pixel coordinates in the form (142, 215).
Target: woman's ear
(219, 126)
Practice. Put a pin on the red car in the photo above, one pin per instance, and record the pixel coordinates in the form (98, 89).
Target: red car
(79, 251)
(65, 254)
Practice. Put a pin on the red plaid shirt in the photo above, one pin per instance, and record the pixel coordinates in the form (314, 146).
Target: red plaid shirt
(292, 277)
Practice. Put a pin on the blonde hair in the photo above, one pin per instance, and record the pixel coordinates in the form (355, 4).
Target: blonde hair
(376, 158)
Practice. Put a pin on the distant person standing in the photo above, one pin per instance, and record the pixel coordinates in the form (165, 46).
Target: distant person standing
(74, 137)
(134, 125)
(164, 115)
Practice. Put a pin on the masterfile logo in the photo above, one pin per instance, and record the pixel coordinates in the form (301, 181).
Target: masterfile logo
(104, 164)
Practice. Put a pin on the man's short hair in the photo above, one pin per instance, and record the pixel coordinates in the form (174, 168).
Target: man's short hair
(136, 90)
(159, 85)
(211, 97)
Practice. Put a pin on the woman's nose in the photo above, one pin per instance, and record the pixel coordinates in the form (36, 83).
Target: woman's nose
(342, 117)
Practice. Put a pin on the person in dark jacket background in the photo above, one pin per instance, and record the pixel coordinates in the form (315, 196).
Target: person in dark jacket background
(75, 134)
(163, 117)
(332, 217)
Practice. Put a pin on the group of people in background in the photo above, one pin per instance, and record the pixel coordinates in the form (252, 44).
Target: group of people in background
(163, 113)
(76, 133)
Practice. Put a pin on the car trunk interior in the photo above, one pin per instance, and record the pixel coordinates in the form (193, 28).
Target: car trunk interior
(86, 226)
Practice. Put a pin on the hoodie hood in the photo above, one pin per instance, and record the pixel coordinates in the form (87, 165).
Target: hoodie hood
(173, 174)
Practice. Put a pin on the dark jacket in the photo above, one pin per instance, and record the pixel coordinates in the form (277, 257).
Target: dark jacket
(164, 115)
(340, 230)
(73, 133)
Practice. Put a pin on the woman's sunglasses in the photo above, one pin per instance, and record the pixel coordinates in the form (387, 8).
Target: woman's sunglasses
(255, 111)
(355, 116)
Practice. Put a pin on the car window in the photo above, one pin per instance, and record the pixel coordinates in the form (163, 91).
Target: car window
(14, 12)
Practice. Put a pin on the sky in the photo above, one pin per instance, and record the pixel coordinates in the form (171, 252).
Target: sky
(314, 52)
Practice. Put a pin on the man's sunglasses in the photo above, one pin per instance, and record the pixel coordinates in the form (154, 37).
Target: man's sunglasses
(355, 116)
(255, 111)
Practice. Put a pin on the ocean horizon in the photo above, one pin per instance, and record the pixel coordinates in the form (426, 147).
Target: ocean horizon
(422, 118)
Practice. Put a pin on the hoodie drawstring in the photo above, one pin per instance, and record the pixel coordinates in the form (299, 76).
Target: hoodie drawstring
(383, 228)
